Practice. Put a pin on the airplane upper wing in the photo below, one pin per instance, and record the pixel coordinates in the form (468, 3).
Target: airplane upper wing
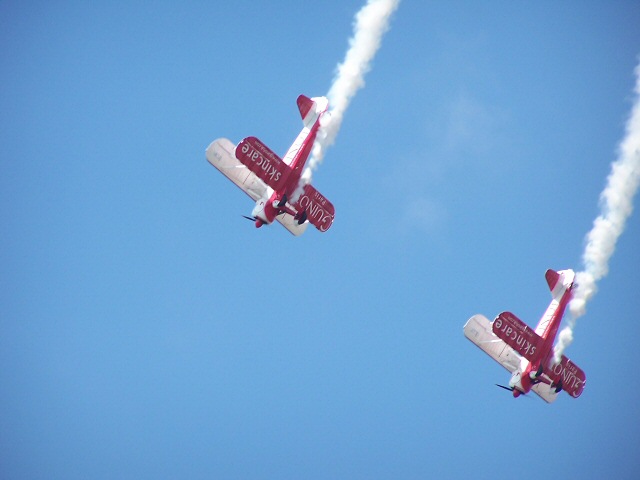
(221, 155)
(291, 224)
(478, 330)
(545, 392)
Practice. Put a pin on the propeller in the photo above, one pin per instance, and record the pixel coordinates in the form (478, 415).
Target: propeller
(253, 219)
(511, 389)
(506, 388)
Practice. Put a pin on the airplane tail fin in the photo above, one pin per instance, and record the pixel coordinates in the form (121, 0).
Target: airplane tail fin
(559, 281)
(552, 278)
(311, 108)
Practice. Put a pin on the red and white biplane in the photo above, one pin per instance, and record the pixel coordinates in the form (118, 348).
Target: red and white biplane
(528, 354)
(272, 182)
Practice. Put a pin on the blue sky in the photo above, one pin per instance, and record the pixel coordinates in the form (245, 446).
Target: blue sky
(148, 331)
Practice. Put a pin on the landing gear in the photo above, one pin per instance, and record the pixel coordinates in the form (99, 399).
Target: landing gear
(302, 218)
(535, 376)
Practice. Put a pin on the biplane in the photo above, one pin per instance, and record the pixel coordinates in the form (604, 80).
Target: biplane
(528, 354)
(274, 183)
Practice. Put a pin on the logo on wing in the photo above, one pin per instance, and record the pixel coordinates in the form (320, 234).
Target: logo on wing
(320, 211)
(570, 376)
(262, 161)
(516, 334)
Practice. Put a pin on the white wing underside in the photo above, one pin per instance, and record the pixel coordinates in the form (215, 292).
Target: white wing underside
(545, 392)
(478, 330)
(291, 224)
(221, 155)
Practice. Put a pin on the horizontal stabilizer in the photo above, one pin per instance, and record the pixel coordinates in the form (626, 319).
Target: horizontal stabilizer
(517, 335)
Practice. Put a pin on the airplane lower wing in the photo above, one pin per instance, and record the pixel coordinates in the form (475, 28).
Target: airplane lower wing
(478, 330)
(568, 375)
(517, 335)
(258, 158)
(221, 155)
(319, 211)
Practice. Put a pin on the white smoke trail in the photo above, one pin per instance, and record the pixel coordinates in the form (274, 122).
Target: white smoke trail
(616, 205)
(370, 23)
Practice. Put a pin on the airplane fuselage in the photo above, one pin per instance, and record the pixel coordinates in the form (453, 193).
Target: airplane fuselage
(273, 203)
(530, 371)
